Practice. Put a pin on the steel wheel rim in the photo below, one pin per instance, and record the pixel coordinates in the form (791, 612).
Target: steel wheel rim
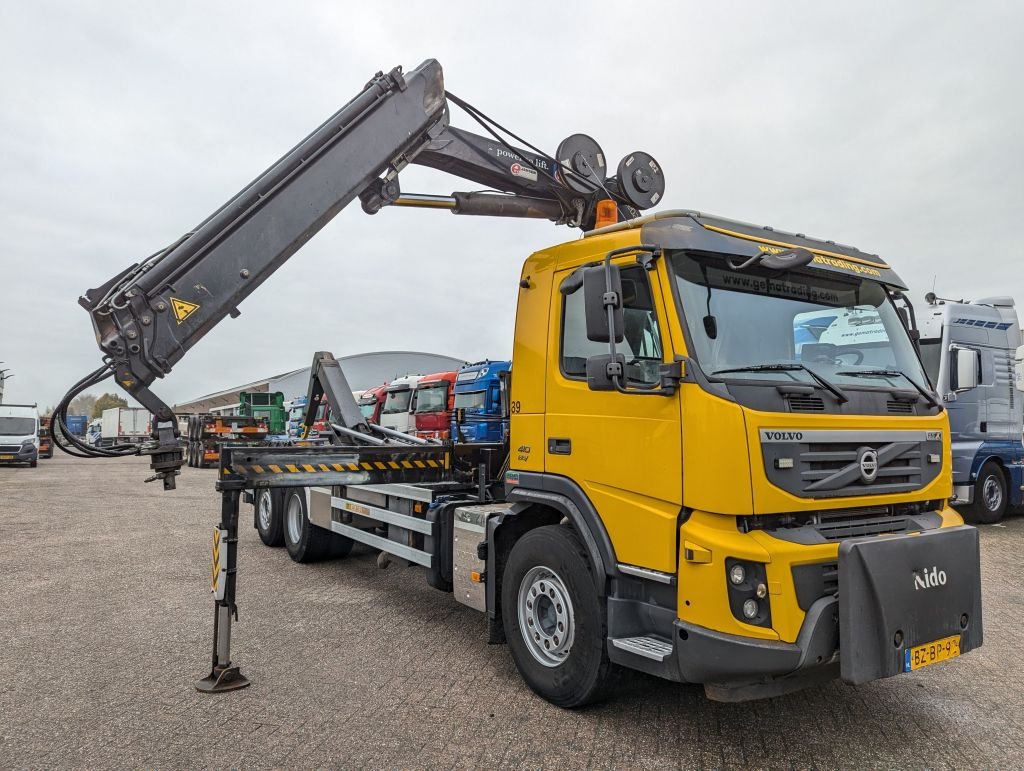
(546, 617)
(264, 510)
(294, 519)
(993, 493)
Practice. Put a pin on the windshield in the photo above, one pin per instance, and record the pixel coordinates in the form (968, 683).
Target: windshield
(397, 401)
(432, 398)
(17, 426)
(368, 408)
(474, 400)
(834, 326)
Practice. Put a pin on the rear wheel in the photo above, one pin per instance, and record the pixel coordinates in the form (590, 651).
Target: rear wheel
(554, 620)
(305, 541)
(990, 496)
(269, 519)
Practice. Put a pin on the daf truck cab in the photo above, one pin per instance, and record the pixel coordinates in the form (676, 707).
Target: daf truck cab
(434, 403)
(972, 351)
(400, 404)
(481, 402)
(19, 434)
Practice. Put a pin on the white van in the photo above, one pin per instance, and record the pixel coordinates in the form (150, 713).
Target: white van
(19, 434)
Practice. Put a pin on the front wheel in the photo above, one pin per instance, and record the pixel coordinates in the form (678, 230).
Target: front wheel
(305, 541)
(989, 496)
(555, 621)
(269, 518)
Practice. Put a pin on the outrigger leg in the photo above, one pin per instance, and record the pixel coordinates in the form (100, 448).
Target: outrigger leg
(224, 676)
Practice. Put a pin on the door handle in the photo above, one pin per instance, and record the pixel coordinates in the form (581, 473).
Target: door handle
(560, 446)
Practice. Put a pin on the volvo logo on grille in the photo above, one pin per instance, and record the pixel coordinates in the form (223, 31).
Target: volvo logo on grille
(868, 460)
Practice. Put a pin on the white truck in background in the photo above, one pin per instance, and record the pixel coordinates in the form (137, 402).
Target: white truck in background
(124, 425)
(400, 403)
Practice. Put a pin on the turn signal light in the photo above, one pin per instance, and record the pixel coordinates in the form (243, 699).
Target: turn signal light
(607, 213)
(476, 576)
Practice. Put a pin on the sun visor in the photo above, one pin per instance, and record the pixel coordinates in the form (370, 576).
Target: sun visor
(699, 232)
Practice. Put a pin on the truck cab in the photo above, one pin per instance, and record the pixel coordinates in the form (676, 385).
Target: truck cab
(754, 483)
(434, 402)
(371, 402)
(481, 402)
(971, 352)
(19, 434)
(400, 403)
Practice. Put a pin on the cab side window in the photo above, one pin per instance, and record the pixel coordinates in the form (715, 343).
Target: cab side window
(642, 337)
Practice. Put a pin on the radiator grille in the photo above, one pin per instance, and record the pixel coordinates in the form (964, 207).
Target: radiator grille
(840, 528)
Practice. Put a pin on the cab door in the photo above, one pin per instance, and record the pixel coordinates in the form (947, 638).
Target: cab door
(623, 450)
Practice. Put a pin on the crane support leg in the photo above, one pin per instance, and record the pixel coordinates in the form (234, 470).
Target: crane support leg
(224, 676)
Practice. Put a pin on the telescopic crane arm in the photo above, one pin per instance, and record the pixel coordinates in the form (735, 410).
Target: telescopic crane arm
(147, 317)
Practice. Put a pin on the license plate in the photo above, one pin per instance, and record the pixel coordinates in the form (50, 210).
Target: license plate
(6, 457)
(931, 653)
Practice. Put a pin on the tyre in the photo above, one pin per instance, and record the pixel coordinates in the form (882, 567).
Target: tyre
(269, 518)
(990, 496)
(554, 620)
(33, 463)
(305, 541)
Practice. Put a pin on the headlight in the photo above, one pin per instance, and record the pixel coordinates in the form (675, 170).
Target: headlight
(750, 608)
(737, 574)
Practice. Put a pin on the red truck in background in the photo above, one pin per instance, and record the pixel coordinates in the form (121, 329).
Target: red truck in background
(435, 400)
(371, 401)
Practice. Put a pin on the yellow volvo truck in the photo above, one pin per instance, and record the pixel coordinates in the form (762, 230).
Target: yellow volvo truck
(713, 475)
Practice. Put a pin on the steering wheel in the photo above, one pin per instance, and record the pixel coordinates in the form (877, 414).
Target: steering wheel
(851, 352)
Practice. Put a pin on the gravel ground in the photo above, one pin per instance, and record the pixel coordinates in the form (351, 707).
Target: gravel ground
(106, 621)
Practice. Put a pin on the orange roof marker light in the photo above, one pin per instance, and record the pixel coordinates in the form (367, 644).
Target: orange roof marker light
(606, 213)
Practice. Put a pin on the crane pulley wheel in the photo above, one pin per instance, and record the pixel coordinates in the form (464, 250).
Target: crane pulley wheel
(582, 156)
(641, 180)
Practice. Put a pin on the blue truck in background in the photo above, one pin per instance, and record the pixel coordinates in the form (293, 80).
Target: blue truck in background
(972, 353)
(481, 409)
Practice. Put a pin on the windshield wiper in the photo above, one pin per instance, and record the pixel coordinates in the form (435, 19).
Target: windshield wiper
(834, 389)
(932, 401)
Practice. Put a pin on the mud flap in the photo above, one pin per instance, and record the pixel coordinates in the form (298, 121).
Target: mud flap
(897, 592)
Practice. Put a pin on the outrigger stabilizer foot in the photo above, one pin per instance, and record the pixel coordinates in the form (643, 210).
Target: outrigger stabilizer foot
(223, 675)
(222, 679)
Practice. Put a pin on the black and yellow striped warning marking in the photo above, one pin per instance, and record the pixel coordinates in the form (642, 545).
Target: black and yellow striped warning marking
(215, 578)
(321, 468)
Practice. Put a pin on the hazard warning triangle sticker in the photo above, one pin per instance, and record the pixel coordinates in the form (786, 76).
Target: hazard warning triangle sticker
(182, 309)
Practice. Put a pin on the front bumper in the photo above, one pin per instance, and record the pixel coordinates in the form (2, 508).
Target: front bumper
(23, 455)
(890, 599)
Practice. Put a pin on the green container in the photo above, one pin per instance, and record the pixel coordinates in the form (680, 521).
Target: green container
(269, 406)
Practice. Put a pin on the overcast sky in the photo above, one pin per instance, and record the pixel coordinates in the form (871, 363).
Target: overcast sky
(896, 127)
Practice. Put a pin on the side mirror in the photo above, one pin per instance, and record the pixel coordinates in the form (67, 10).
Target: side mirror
(460, 415)
(600, 369)
(597, 291)
(964, 372)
